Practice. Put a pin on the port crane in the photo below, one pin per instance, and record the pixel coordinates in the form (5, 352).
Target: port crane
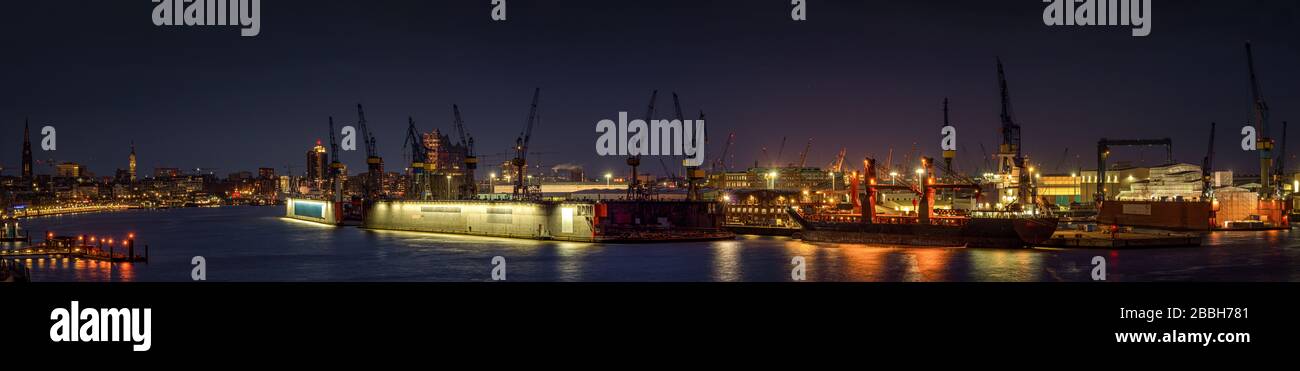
(780, 150)
(1281, 160)
(469, 187)
(694, 175)
(1064, 156)
(1010, 158)
(520, 162)
(803, 156)
(1264, 144)
(374, 163)
(837, 164)
(421, 169)
(635, 189)
(336, 167)
(948, 155)
(721, 163)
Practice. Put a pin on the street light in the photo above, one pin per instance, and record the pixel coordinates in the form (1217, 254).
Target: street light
(608, 176)
(448, 186)
(771, 179)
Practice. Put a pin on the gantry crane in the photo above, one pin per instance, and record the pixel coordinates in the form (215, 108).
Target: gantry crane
(1103, 152)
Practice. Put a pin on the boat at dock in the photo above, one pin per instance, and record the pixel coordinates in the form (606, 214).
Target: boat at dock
(1005, 231)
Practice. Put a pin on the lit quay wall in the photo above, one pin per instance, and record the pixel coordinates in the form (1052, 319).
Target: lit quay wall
(570, 221)
(312, 211)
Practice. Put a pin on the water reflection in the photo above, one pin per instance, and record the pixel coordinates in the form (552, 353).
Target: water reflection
(256, 244)
(726, 261)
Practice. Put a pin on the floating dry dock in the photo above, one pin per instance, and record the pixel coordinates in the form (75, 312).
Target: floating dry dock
(584, 221)
(1104, 240)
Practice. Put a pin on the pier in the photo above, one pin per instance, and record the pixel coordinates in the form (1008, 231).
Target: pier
(80, 247)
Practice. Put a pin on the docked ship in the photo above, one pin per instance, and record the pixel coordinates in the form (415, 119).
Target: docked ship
(985, 229)
(1008, 231)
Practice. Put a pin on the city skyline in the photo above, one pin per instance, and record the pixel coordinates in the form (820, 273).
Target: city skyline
(850, 77)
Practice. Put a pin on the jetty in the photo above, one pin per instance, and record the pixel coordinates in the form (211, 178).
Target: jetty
(80, 247)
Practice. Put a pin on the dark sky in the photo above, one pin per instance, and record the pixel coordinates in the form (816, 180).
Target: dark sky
(867, 75)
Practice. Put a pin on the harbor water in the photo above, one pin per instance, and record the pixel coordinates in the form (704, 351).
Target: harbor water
(257, 244)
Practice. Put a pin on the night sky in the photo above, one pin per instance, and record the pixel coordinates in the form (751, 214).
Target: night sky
(867, 75)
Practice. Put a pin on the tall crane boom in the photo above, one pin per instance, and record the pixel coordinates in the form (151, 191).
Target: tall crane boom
(1010, 129)
(1263, 143)
(779, 151)
(334, 144)
(336, 167)
(421, 181)
(803, 156)
(1207, 166)
(521, 147)
(837, 165)
(458, 123)
(374, 164)
(721, 163)
(1010, 158)
(469, 186)
(1281, 156)
(367, 140)
(635, 189)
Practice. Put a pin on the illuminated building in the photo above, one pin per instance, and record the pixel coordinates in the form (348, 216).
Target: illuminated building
(444, 156)
(317, 163)
(787, 178)
(166, 172)
(131, 163)
(70, 170)
(1174, 182)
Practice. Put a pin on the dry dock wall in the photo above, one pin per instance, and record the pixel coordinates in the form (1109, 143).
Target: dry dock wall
(517, 219)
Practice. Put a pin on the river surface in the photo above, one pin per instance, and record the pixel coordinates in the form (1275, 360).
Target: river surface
(257, 244)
